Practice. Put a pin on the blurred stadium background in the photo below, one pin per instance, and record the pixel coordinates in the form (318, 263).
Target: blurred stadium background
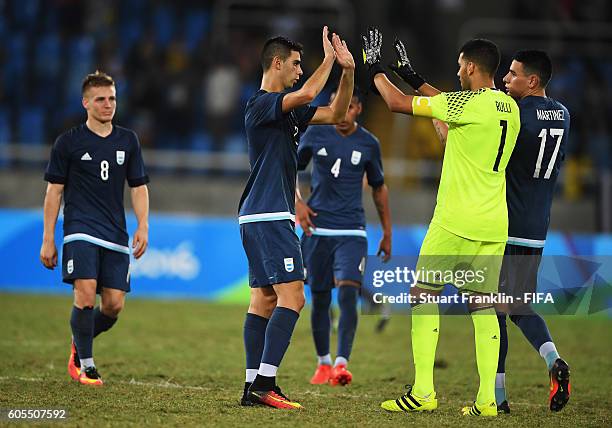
(184, 70)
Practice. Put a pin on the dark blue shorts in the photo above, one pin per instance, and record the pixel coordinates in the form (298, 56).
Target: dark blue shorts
(519, 272)
(84, 260)
(333, 257)
(274, 253)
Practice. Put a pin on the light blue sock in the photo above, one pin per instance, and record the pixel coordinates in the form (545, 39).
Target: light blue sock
(548, 351)
(500, 388)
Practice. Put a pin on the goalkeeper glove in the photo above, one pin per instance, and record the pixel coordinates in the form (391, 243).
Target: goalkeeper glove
(371, 45)
(403, 68)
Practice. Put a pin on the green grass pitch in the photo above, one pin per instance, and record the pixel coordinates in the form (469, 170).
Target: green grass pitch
(181, 363)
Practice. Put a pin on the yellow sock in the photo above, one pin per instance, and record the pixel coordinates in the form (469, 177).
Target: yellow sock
(486, 335)
(425, 326)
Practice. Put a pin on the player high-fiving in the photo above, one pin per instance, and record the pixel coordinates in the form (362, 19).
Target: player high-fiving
(470, 222)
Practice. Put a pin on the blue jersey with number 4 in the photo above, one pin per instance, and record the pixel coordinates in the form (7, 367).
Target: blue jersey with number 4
(339, 164)
(534, 167)
(93, 170)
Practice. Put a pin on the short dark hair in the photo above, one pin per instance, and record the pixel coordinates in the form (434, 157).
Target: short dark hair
(536, 62)
(96, 79)
(278, 46)
(483, 52)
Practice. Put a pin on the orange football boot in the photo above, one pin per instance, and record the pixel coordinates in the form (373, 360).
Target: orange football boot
(90, 377)
(321, 375)
(340, 376)
(74, 364)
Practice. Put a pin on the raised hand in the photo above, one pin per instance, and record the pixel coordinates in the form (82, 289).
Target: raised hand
(328, 49)
(344, 58)
(371, 46)
(403, 67)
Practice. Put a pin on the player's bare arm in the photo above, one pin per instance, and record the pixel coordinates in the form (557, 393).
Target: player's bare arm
(303, 212)
(404, 69)
(140, 203)
(380, 195)
(53, 200)
(396, 100)
(315, 83)
(441, 130)
(336, 111)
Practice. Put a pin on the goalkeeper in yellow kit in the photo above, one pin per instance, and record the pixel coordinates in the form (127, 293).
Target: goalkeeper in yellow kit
(470, 222)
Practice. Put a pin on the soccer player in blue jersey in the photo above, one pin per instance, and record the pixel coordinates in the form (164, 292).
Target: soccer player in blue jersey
(334, 243)
(88, 167)
(531, 176)
(273, 120)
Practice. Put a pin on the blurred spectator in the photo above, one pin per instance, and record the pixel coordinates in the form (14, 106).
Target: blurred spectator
(184, 75)
(221, 91)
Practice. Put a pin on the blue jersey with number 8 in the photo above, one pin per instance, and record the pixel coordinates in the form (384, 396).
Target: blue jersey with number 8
(93, 170)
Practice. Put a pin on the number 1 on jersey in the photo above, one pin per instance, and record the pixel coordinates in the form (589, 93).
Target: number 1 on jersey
(335, 170)
(502, 142)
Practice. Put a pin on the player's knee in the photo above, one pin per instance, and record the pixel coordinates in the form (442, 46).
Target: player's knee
(295, 301)
(84, 295)
(298, 301)
(291, 295)
(262, 304)
(347, 296)
(321, 300)
(269, 303)
(113, 308)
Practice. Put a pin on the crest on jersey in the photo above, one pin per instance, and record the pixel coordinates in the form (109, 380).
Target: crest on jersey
(70, 266)
(289, 266)
(120, 157)
(355, 157)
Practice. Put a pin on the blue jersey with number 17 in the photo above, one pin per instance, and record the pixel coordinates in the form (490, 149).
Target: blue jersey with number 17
(339, 164)
(534, 167)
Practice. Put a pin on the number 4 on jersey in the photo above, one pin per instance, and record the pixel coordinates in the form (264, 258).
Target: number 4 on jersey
(335, 170)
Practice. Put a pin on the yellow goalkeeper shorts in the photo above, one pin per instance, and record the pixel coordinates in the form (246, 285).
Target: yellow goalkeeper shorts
(449, 259)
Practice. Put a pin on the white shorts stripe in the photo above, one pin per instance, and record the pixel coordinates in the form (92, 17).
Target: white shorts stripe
(339, 232)
(92, 239)
(534, 243)
(281, 215)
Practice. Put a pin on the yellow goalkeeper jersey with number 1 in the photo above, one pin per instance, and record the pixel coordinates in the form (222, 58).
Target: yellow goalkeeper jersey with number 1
(482, 130)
